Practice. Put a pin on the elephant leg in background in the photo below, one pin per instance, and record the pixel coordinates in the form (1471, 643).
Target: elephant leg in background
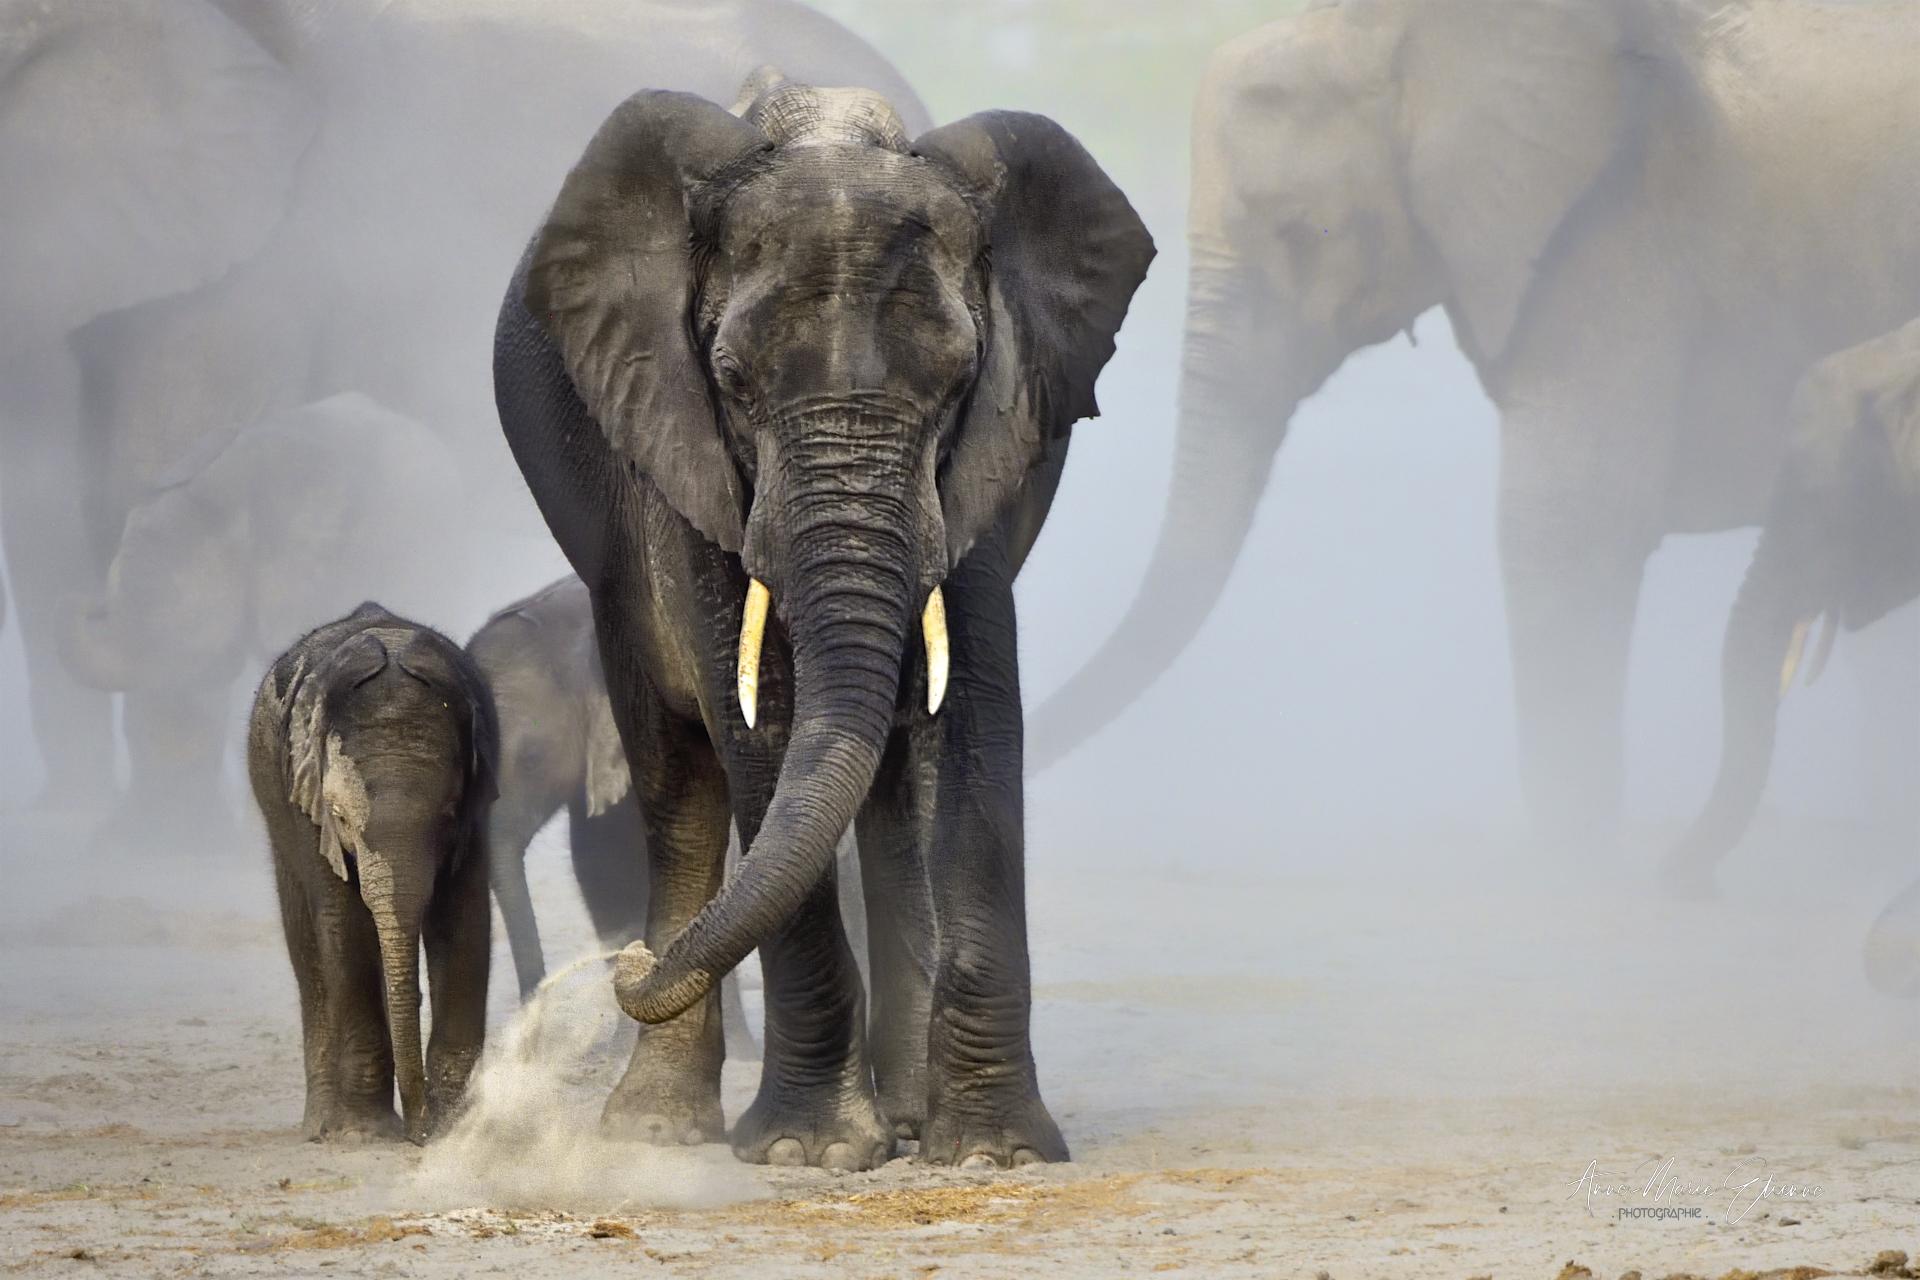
(1571, 565)
(896, 836)
(1884, 661)
(815, 1105)
(458, 940)
(50, 556)
(511, 827)
(983, 1097)
(176, 752)
(670, 1093)
(610, 865)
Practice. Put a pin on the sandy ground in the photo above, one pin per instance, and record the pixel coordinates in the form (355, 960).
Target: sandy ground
(1267, 1072)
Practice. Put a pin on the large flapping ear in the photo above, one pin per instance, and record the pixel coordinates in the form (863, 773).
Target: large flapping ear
(323, 781)
(1065, 252)
(611, 280)
(1511, 121)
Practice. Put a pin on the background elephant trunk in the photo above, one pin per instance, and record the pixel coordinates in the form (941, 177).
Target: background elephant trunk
(397, 898)
(1760, 632)
(851, 597)
(97, 651)
(1235, 403)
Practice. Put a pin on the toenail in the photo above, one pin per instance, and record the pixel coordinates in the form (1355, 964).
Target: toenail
(1027, 1155)
(787, 1151)
(838, 1155)
(979, 1160)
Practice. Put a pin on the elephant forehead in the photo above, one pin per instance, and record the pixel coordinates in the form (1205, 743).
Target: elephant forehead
(842, 196)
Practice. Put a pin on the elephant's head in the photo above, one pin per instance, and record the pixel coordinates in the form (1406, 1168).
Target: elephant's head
(1354, 167)
(390, 748)
(175, 606)
(837, 353)
(1841, 543)
(150, 148)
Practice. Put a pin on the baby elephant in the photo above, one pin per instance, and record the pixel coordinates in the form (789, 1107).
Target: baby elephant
(371, 752)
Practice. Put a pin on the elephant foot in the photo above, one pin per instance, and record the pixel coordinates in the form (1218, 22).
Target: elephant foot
(345, 1124)
(669, 1097)
(981, 1135)
(830, 1127)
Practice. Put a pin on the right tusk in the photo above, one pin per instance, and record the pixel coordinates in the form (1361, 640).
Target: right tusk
(1795, 647)
(753, 629)
(1823, 648)
(933, 629)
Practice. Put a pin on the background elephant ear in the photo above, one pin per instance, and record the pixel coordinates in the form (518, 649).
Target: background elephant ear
(611, 279)
(162, 143)
(608, 778)
(1511, 121)
(1065, 253)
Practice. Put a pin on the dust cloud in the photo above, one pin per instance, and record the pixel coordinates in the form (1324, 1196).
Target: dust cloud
(528, 1136)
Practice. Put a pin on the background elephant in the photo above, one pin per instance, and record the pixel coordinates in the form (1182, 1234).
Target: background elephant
(1841, 545)
(315, 199)
(149, 148)
(1558, 176)
(371, 749)
(216, 572)
(864, 356)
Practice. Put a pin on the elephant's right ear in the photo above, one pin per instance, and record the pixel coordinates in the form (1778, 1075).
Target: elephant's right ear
(323, 781)
(611, 280)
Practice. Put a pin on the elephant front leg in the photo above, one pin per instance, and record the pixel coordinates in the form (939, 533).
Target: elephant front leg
(358, 1054)
(983, 1097)
(459, 942)
(816, 1101)
(1572, 577)
(670, 1093)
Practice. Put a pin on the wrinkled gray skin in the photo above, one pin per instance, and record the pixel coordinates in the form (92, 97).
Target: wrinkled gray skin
(311, 197)
(798, 347)
(1842, 539)
(213, 574)
(371, 752)
(559, 749)
(1643, 225)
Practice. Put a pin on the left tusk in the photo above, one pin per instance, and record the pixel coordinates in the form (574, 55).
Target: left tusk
(933, 629)
(1795, 647)
(1823, 648)
(753, 629)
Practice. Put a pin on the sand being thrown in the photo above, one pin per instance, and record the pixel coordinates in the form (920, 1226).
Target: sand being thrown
(529, 1137)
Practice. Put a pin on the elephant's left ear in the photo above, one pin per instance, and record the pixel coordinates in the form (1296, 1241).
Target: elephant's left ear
(1065, 252)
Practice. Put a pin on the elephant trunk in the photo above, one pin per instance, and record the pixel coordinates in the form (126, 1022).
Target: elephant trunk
(850, 560)
(1764, 635)
(397, 898)
(97, 651)
(1236, 399)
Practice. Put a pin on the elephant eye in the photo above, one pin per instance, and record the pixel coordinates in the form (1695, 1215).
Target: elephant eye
(729, 375)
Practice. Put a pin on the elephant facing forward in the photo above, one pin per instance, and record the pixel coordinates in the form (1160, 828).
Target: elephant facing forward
(793, 390)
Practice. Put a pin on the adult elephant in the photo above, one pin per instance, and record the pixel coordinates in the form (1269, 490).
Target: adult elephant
(148, 148)
(797, 363)
(289, 201)
(1643, 227)
(1841, 543)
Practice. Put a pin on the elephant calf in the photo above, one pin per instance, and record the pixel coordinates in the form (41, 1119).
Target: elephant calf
(371, 752)
(1841, 542)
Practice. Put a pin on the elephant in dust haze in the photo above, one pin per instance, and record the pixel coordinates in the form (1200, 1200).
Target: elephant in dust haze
(320, 196)
(291, 523)
(788, 387)
(371, 750)
(1643, 222)
(559, 749)
(1840, 547)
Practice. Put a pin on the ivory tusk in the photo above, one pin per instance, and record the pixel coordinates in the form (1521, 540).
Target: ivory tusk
(1795, 647)
(753, 629)
(1823, 648)
(933, 629)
